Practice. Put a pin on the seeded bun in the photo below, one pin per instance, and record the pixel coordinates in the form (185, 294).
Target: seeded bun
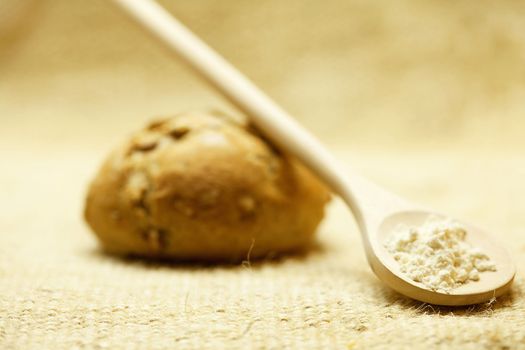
(199, 186)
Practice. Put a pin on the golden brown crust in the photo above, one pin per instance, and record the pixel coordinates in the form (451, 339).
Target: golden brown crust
(201, 187)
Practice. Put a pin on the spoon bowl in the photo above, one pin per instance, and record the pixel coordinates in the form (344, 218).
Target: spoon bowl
(490, 285)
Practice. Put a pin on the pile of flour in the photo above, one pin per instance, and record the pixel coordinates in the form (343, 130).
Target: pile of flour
(437, 255)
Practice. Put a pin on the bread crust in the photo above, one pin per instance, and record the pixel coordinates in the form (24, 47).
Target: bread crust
(199, 186)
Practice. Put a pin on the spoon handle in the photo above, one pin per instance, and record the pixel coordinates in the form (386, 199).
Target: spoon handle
(271, 119)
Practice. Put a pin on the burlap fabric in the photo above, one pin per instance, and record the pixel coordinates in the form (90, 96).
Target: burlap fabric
(58, 291)
(425, 99)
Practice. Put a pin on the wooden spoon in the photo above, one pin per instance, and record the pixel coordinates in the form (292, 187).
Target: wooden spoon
(376, 211)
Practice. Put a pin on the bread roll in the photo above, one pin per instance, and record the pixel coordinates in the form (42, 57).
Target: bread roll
(201, 187)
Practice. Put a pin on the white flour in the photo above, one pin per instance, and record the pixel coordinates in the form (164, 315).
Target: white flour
(437, 255)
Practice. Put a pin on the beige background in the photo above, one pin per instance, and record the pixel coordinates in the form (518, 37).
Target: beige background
(426, 98)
